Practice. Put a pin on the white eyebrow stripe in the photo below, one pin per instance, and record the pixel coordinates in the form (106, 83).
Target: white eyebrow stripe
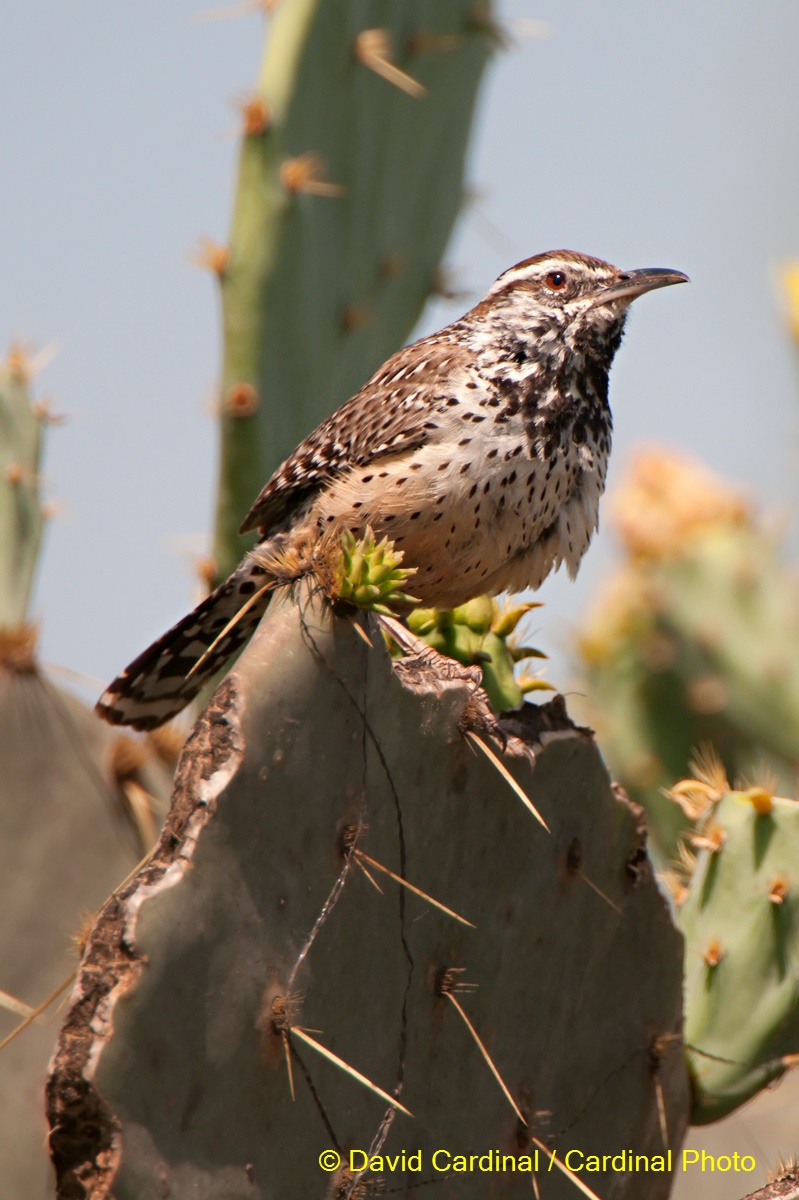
(519, 274)
(539, 268)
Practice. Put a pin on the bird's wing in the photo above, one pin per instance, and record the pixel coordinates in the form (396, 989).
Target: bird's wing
(394, 412)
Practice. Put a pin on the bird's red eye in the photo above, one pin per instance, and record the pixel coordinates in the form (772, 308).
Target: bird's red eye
(556, 281)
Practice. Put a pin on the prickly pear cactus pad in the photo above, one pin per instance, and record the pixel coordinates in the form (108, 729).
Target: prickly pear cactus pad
(78, 804)
(739, 916)
(21, 514)
(696, 639)
(348, 890)
(350, 181)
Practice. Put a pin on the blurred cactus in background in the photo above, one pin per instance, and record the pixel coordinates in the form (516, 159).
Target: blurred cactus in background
(79, 806)
(21, 515)
(737, 898)
(350, 181)
(691, 660)
(696, 640)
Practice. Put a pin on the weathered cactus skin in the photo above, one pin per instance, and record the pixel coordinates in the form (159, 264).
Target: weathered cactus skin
(347, 192)
(696, 640)
(169, 1073)
(739, 917)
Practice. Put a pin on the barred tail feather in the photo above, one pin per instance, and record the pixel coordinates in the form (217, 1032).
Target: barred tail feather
(157, 685)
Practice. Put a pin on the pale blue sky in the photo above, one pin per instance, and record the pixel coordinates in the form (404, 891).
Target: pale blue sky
(649, 135)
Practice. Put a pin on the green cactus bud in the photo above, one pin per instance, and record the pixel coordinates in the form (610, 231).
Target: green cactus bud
(479, 633)
(477, 614)
(369, 575)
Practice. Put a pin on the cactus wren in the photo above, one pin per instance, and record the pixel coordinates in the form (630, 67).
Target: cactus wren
(480, 451)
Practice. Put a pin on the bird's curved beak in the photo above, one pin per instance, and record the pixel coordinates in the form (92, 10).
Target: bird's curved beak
(635, 283)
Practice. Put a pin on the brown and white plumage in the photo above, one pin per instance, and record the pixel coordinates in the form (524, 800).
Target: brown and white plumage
(480, 451)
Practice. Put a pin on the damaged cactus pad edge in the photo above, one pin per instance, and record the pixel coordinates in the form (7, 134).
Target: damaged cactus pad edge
(355, 935)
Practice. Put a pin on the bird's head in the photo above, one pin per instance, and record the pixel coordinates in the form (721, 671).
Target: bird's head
(562, 302)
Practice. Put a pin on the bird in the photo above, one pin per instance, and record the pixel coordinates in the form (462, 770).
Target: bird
(480, 451)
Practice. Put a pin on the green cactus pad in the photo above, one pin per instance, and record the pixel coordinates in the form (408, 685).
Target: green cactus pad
(21, 516)
(696, 640)
(739, 917)
(349, 185)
